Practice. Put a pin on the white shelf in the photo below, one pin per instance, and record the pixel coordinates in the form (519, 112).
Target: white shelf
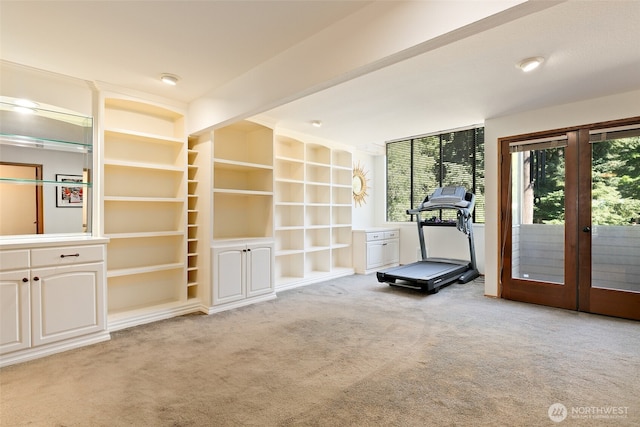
(141, 165)
(143, 270)
(143, 136)
(130, 199)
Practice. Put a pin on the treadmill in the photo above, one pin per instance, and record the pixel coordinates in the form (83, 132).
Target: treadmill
(431, 274)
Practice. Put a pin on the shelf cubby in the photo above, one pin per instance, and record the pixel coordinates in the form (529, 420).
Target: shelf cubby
(341, 258)
(134, 147)
(317, 239)
(289, 241)
(143, 183)
(240, 177)
(289, 268)
(340, 236)
(244, 142)
(317, 263)
(317, 194)
(318, 154)
(289, 170)
(137, 253)
(289, 216)
(289, 192)
(143, 291)
(342, 196)
(341, 215)
(133, 116)
(317, 215)
(289, 148)
(320, 174)
(242, 215)
(341, 159)
(133, 216)
(341, 176)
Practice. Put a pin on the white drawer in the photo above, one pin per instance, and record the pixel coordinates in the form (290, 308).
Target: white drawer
(391, 234)
(379, 235)
(14, 260)
(66, 255)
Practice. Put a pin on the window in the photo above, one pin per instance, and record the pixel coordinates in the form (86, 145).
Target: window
(416, 166)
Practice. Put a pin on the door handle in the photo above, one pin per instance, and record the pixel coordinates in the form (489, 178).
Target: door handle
(586, 229)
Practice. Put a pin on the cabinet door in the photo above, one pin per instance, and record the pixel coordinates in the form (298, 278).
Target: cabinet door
(259, 270)
(15, 313)
(228, 273)
(375, 254)
(391, 251)
(67, 302)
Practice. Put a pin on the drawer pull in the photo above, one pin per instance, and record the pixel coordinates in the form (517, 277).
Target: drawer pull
(36, 279)
(66, 256)
(25, 280)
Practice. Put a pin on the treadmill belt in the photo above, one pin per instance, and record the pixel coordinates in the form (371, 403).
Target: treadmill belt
(426, 270)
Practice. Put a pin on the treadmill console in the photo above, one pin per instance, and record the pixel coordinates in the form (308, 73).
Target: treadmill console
(452, 197)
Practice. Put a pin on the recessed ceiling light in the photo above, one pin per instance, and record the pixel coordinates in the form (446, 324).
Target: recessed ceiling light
(170, 79)
(316, 123)
(530, 64)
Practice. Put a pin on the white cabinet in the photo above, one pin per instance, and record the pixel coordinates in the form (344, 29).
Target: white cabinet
(52, 299)
(375, 248)
(242, 272)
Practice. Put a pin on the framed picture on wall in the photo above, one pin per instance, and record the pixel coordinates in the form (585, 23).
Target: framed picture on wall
(70, 193)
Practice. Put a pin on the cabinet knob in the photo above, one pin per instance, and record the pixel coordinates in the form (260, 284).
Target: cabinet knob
(36, 279)
(25, 280)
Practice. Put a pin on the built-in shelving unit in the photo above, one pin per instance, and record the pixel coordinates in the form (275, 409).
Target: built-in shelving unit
(193, 215)
(145, 210)
(242, 213)
(312, 212)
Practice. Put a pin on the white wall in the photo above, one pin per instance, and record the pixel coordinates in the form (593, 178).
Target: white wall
(612, 107)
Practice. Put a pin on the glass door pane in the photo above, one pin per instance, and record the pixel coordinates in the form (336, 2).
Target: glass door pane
(615, 210)
(538, 212)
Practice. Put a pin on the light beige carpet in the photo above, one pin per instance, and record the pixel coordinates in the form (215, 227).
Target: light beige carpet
(348, 352)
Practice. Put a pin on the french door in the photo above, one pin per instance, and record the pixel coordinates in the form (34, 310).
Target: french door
(570, 218)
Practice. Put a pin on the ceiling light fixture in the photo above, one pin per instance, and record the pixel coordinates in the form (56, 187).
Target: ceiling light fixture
(170, 79)
(316, 123)
(530, 64)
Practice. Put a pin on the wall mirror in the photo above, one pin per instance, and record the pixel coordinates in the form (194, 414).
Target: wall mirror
(359, 184)
(46, 160)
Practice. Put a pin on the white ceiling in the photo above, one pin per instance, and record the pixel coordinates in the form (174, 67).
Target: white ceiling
(591, 49)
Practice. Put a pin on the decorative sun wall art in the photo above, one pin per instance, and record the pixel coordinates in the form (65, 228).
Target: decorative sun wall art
(360, 185)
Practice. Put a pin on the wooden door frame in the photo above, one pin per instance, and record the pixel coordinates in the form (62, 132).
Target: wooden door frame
(39, 200)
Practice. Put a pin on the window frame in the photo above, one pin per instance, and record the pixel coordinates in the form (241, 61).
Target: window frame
(478, 174)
